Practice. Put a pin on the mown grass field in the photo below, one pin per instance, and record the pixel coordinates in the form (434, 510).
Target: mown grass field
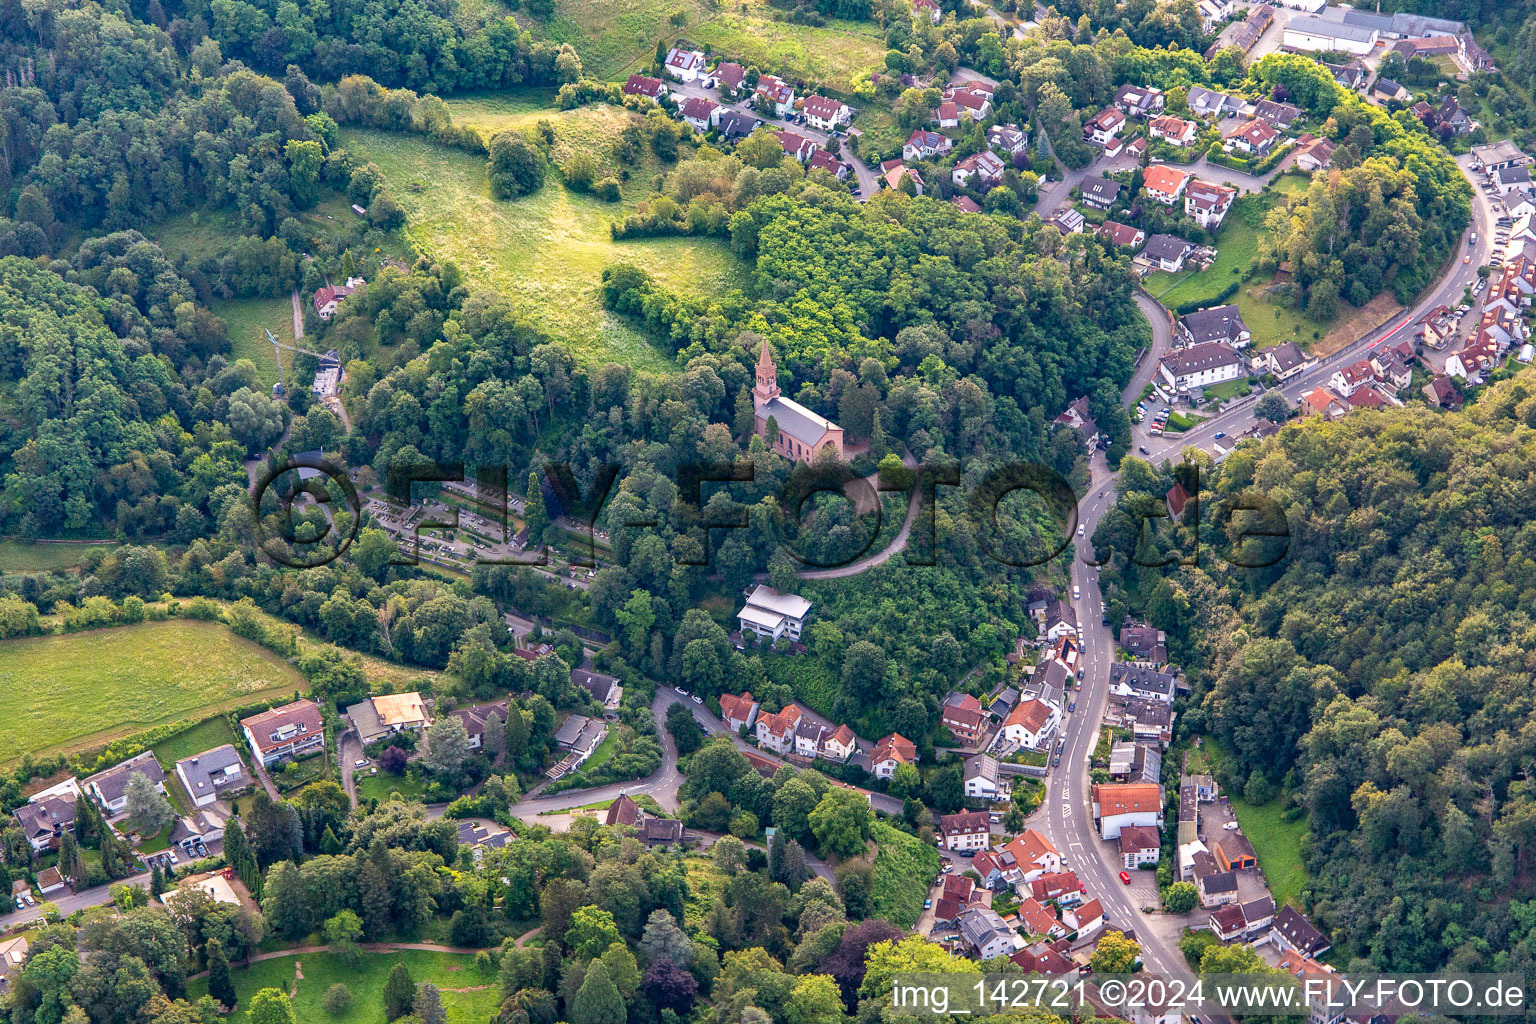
(1276, 842)
(617, 37)
(468, 995)
(214, 732)
(24, 556)
(246, 322)
(379, 787)
(85, 689)
(1236, 246)
(545, 252)
(905, 867)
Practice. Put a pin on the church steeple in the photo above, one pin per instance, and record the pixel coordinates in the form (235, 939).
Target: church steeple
(767, 387)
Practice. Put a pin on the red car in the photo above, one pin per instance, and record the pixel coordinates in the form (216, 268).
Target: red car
(1125, 876)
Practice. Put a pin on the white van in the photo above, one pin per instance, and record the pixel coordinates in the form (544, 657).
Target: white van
(1076, 592)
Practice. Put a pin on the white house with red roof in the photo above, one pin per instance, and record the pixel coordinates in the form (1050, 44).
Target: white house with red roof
(986, 167)
(796, 145)
(838, 745)
(1030, 724)
(975, 104)
(1033, 857)
(684, 65)
(1116, 805)
(699, 113)
(1086, 918)
(644, 85)
(947, 114)
(1165, 184)
(825, 113)
(328, 299)
(822, 160)
(963, 716)
(891, 751)
(739, 711)
(1104, 126)
(730, 76)
(968, 830)
(929, 9)
(1207, 204)
(893, 171)
(1174, 130)
(923, 144)
(776, 730)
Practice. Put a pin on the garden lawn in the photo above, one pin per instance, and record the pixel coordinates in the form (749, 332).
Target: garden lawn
(246, 322)
(215, 732)
(380, 786)
(85, 689)
(905, 867)
(25, 556)
(546, 252)
(469, 996)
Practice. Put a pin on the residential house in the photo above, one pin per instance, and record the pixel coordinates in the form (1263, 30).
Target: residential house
(1253, 139)
(45, 819)
(986, 167)
(1029, 725)
(822, 160)
(1150, 721)
(642, 85)
(1041, 958)
(1258, 916)
(1100, 193)
(1165, 184)
(13, 955)
(1116, 805)
(1348, 378)
(699, 113)
(1058, 620)
(1135, 762)
(1286, 360)
(1216, 887)
(982, 780)
(890, 752)
(1199, 365)
(1222, 324)
(1036, 920)
(1205, 102)
(1322, 402)
(284, 733)
(1392, 367)
(730, 75)
(929, 9)
(580, 735)
(1144, 642)
(1227, 922)
(984, 933)
(1278, 115)
(1102, 127)
(824, 113)
(1386, 90)
(1248, 33)
(774, 95)
(388, 714)
(965, 204)
(1077, 416)
(328, 299)
(1450, 112)
(769, 614)
(1293, 932)
(963, 716)
(1351, 76)
(1139, 845)
(1513, 179)
(734, 125)
(1174, 130)
(1117, 234)
(656, 831)
(1139, 101)
(604, 689)
(894, 172)
(1177, 498)
(50, 882)
(975, 105)
(110, 787)
(1313, 153)
(201, 833)
(1213, 13)
(1067, 220)
(796, 145)
(482, 720)
(1086, 918)
(1008, 140)
(1166, 253)
(1031, 856)
(684, 65)
(738, 711)
(776, 731)
(1208, 204)
(208, 776)
(838, 745)
(1062, 886)
(1442, 394)
(808, 737)
(923, 144)
(967, 830)
(1128, 680)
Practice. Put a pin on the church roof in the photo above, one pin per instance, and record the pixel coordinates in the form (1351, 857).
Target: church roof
(796, 420)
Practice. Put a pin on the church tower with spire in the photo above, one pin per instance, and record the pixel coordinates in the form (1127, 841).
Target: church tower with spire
(767, 387)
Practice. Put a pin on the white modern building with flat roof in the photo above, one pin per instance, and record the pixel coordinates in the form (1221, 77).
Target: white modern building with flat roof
(771, 615)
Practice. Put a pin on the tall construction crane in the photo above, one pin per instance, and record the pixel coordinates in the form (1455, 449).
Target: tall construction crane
(277, 352)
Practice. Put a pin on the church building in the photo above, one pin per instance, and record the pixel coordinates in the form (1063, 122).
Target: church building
(802, 433)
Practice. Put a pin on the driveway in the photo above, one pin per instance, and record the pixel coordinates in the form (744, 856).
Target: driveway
(349, 750)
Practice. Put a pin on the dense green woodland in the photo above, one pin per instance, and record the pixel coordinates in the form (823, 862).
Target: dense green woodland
(1379, 673)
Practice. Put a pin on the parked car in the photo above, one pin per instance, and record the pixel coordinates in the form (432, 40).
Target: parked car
(360, 763)
(1219, 434)
(697, 699)
(1125, 876)
(1071, 705)
(680, 690)
(1230, 826)
(1140, 448)
(927, 904)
